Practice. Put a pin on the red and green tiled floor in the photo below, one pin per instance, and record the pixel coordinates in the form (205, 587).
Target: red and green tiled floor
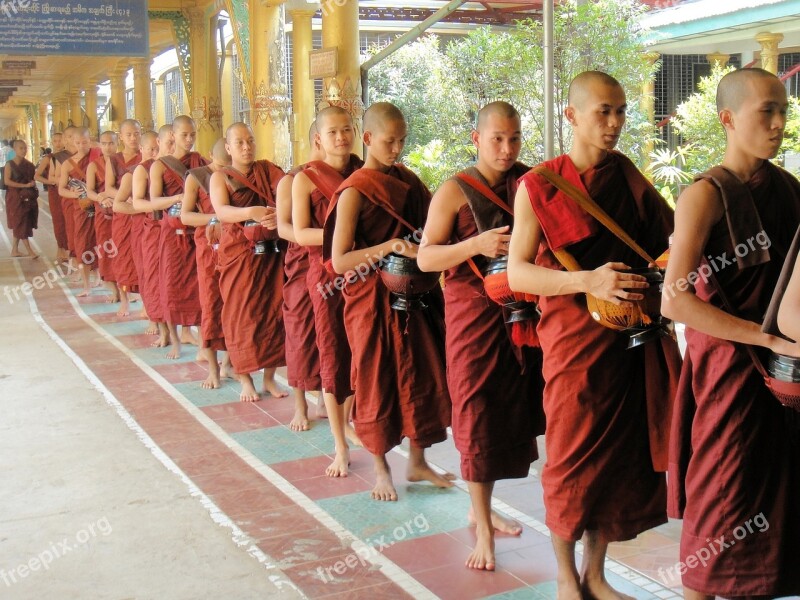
(324, 535)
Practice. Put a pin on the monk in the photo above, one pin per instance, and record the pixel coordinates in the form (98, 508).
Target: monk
(251, 283)
(604, 403)
(312, 191)
(72, 187)
(733, 456)
(155, 146)
(46, 174)
(68, 204)
(302, 356)
(104, 214)
(180, 295)
(789, 312)
(197, 212)
(398, 357)
(117, 166)
(22, 207)
(495, 388)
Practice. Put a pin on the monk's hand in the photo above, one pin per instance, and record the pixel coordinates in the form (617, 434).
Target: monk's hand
(213, 232)
(612, 283)
(409, 250)
(785, 347)
(270, 218)
(493, 242)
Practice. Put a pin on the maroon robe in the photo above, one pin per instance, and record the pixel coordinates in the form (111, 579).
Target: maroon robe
(302, 356)
(83, 238)
(207, 272)
(398, 357)
(102, 224)
(495, 388)
(22, 206)
(124, 265)
(180, 295)
(150, 252)
(54, 200)
(603, 431)
(251, 284)
(68, 210)
(334, 351)
(734, 448)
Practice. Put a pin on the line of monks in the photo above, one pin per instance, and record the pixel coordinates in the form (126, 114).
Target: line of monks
(255, 257)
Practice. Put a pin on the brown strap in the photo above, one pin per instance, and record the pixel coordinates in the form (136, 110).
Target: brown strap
(485, 190)
(76, 167)
(246, 183)
(175, 165)
(591, 207)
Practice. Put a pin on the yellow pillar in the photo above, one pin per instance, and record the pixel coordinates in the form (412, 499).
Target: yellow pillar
(142, 104)
(228, 82)
(90, 100)
(302, 85)
(648, 104)
(75, 110)
(205, 101)
(118, 109)
(270, 104)
(718, 58)
(340, 30)
(769, 50)
(44, 130)
(161, 106)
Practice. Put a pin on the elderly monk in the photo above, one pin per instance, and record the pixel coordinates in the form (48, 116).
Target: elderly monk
(398, 357)
(120, 164)
(495, 388)
(46, 175)
(198, 212)
(72, 188)
(251, 282)
(180, 295)
(607, 407)
(22, 207)
(733, 459)
(104, 214)
(302, 356)
(312, 191)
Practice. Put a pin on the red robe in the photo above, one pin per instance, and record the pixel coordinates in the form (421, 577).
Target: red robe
(334, 351)
(251, 284)
(68, 210)
(496, 388)
(54, 200)
(600, 406)
(83, 238)
(180, 295)
(124, 265)
(150, 252)
(102, 225)
(22, 207)
(734, 448)
(207, 273)
(302, 356)
(398, 358)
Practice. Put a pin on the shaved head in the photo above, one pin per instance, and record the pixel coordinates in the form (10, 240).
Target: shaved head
(312, 132)
(734, 87)
(183, 121)
(500, 109)
(236, 126)
(106, 134)
(219, 153)
(581, 87)
(163, 131)
(150, 137)
(130, 123)
(381, 113)
(330, 111)
(83, 132)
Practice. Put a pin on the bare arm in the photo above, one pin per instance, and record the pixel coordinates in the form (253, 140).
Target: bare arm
(157, 201)
(122, 199)
(606, 282)
(306, 235)
(63, 190)
(91, 182)
(111, 179)
(226, 213)
(189, 214)
(697, 212)
(283, 201)
(789, 312)
(39, 176)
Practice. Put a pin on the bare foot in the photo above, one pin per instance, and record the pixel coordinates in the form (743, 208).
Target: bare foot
(173, 354)
(18, 255)
(34, 256)
(248, 393)
(384, 488)
(152, 329)
(338, 468)
(352, 437)
(188, 336)
(225, 370)
(211, 382)
(201, 356)
(98, 283)
(112, 299)
(124, 309)
(499, 522)
(271, 387)
(569, 589)
(425, 473)
(83, 294)
(299, 421)
(161, 342)
(599, 589)
(482, 556)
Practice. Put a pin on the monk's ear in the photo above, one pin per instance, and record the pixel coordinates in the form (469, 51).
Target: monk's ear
(726, 118)
(367, 138)
(475, 137)
(569, 113)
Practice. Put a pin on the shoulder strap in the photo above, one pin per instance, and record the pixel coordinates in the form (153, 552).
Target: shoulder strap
(484, 190)
(242, 180)
(77, 168)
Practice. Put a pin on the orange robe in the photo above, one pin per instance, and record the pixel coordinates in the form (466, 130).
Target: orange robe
(149, 248)
(83, 239)
(398, 358)
(124, 265)
(734, 448)
(22, 207)
(334, 351)
(605, 438)
(102, 225)
(496, 388)
(68, 209)
(251, 284)
(180, 295)
(54, 200)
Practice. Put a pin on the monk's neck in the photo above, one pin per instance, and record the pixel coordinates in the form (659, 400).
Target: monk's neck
(17, 160)
(741, 164)
(128, 154)
(179, 154)
(243, 168)
(374, 165)
(585, 157)
(78, 157)
(339, 163)
(492, 176)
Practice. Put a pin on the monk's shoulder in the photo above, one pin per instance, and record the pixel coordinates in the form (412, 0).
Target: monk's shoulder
(451, 195)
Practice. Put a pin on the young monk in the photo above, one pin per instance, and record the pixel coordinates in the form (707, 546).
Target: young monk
(251, 284)
(601, 480)
(495, 387)
(155, 146)
(22, 207)
(117, 166)
(399, 375)
(104, 215)
(302, 356)
(312, 191)
(67, 204)
(197, 212)
(178, 268)
(46, 174)
(83, 238)
(733, 458)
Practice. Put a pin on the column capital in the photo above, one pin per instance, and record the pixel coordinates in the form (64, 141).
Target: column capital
(271, 3)
(719, 58)
(769, 50)
(651, 56)
(766, 38)
(299, 13)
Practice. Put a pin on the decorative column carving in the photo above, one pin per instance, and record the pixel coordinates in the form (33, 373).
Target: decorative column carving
(769, 50)
(302, 85)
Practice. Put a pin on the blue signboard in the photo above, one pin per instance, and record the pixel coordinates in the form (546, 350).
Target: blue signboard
(87, 27)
